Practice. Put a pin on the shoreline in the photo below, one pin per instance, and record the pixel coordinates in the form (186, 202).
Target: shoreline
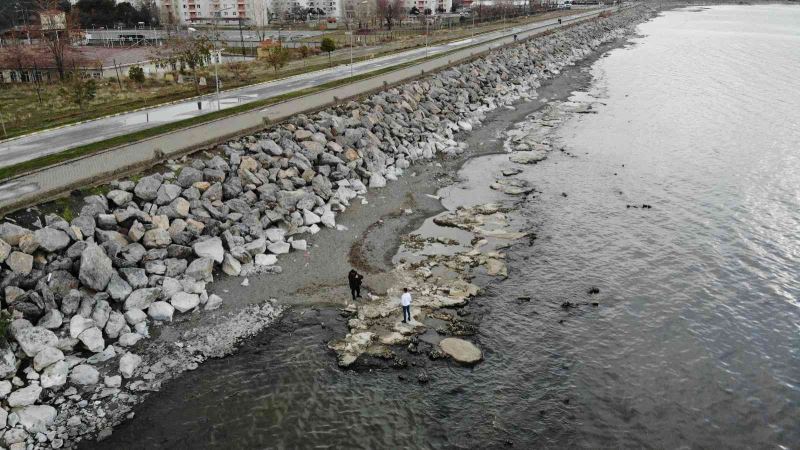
(375, 228)
(193, 338)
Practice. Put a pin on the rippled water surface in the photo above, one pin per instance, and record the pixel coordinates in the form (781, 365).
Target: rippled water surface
(695, 340)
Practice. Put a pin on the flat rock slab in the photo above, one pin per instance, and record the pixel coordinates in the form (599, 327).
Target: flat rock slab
(460, 350)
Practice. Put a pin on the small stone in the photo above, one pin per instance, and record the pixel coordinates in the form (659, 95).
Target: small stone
(184, 302)
(161, 311)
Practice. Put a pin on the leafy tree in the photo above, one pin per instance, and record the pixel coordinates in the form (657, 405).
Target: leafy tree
(328, 45)
(79, 89)
(304, 51)
(277, 57)
(136, 74)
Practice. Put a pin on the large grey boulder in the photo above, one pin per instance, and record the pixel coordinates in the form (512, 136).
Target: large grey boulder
(231, 266)
(462, 351)
(33, 339)
(279, 248)
(25, 396)
(118, 288)
(84, 374)
(5, 250)
(54, 375)
(36, 418)
(86, 224)
(160, 311)
(210, 248)
(20, 263)
(128, 364)
(115, 324)
(92, 339)
(46, 357)
(8, 362)
(78, 324)
(96, 268)
(201, 269)
(51, 320)
(119, 197)
(12, 233)
(157, 238)
(147, 188)
(184, 302)
(189, 176)
(168, 193)
(141, 298)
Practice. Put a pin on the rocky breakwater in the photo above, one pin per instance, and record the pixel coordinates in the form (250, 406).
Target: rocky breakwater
(82, 296)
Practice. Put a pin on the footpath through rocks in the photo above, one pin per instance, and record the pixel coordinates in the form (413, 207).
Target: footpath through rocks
(82, 295)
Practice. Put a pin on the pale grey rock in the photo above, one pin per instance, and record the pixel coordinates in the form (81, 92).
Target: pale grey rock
(21, 263)
(136, 277)
(141, 298)
(279, 248)
(33, 339)
(5, 250)
(147, 188)
(78, 324)
(25, 396)
(160, 311)
(96, 268)
(92, 339)
(210, 248)
(8, 362)
(51, 320)
(129, 339)
(213, 302)
(184, 302)
(5, 388)
(115, 325)
(119, 197)
(100, 313)
(12, 233)
(114, 381)
(36, 418)
(157, 238)
(201, 269)
(231, 266)
(84, 374)
(46, 357)
(134, 316)
(266, 260)
(128, 364)
(108, 353)
(118, 288)
(54, 375)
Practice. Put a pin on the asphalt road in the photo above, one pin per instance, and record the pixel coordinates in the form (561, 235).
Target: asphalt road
(48, 142)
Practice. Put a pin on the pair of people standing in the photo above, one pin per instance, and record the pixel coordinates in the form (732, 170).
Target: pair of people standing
(354, 279)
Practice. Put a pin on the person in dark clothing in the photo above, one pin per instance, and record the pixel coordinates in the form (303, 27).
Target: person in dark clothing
(559, 21)
(354, 278)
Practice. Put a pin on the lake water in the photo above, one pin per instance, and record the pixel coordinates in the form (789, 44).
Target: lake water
(696, 338)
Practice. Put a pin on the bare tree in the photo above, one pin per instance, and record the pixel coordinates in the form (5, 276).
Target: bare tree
(57, 30)
(192, 53)
(260, 9)
(389, 11)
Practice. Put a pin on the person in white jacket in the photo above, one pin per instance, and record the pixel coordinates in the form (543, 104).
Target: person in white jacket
(405, 302)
